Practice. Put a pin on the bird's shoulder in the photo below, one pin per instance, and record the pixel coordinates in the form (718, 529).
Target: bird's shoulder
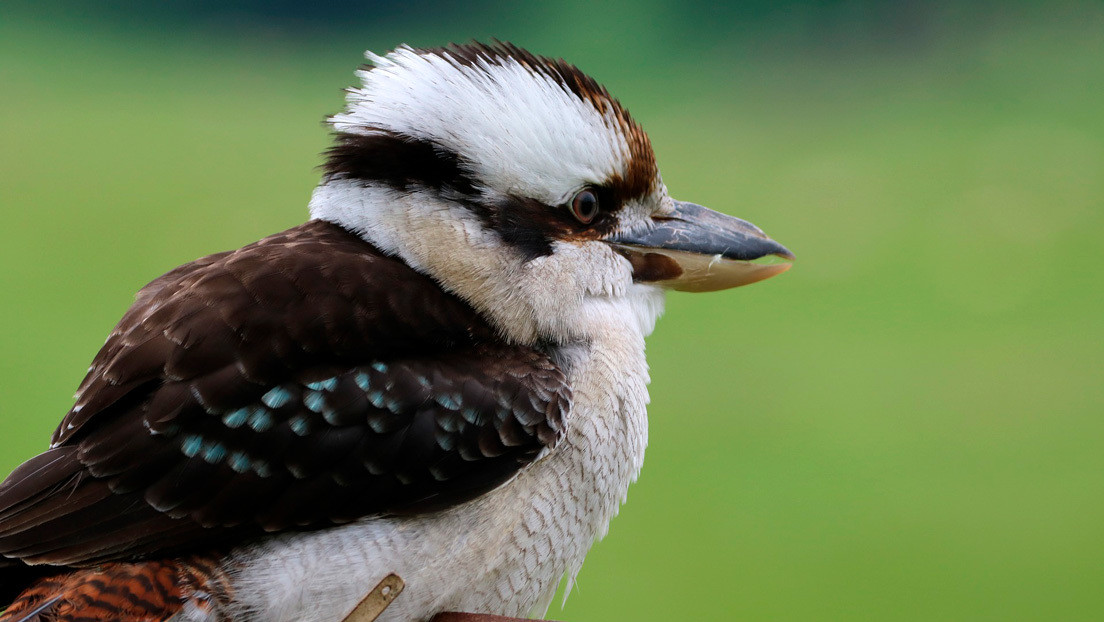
(306, 297)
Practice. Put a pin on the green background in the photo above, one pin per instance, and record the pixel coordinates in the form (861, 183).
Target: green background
(906, 426)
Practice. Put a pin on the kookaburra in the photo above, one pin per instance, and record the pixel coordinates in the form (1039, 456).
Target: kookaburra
(441, 374)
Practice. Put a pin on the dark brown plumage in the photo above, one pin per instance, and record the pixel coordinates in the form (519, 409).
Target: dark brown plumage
(298, 382)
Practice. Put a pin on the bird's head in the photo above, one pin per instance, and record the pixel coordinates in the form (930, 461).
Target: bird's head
(521, 185)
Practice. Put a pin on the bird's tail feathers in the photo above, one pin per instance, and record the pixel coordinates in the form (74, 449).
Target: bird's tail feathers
(148, 591)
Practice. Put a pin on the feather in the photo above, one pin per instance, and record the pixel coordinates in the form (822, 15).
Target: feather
(299, 382)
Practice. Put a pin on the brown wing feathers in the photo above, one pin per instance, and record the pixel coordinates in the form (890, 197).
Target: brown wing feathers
(123, 592)
(301, 381)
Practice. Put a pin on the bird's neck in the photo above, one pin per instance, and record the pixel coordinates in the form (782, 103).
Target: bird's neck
(529, 300)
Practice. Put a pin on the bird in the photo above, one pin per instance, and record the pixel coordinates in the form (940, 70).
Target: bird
(440, 374)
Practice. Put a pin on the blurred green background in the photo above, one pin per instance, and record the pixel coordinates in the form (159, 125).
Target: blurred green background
(906, 426)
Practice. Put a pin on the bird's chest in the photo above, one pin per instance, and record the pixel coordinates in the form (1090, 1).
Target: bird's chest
(504, 552)
(556, 510)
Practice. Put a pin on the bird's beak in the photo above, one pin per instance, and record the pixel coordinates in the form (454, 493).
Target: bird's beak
(695, 249)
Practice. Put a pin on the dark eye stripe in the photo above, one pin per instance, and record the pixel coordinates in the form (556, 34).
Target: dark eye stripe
(397, 161)
(402, 162)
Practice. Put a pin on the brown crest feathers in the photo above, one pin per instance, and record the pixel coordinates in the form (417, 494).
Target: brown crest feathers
(641, 174)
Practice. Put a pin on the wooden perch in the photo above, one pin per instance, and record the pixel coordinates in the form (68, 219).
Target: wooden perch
(392, 585)
(377, 600)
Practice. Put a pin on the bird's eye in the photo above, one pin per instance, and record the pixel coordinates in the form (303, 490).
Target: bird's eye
(585, 206)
